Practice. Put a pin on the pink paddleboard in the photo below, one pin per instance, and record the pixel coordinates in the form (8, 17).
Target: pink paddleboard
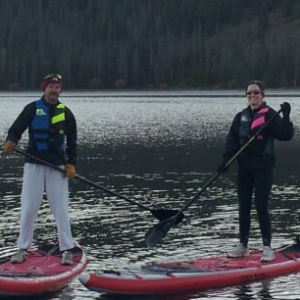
(40, 273)
(194, 275)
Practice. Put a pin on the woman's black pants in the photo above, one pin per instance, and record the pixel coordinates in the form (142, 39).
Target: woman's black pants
(260, 182)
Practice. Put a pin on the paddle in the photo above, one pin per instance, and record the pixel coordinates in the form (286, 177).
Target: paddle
(156, 233)
(160, 214)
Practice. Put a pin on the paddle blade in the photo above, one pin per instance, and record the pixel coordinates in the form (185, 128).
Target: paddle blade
(163, 214)
(156, 233)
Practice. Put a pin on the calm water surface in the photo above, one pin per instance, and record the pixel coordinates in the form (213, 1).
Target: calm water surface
(158, 150)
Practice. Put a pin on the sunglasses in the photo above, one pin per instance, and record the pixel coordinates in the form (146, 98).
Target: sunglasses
(53, 75)
(253, 92)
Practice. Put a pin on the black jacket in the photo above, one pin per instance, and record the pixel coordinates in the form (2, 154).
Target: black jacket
(24, 120)
(256, 156)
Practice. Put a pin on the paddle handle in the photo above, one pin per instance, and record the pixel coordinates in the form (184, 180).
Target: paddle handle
(230, 161)
(81, 178)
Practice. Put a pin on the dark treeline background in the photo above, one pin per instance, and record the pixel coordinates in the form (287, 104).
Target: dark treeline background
(150, 43)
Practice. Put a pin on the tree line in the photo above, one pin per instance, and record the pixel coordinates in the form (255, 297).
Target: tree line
(149, 43)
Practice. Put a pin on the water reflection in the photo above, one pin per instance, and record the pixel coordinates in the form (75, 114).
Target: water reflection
(159, 152)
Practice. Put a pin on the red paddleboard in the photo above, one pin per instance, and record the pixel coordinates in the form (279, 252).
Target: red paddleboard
(40, 273)
(195, 275)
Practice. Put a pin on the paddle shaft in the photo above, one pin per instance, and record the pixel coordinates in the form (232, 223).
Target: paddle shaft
(155, 234)
(82, 179)
(230, 161)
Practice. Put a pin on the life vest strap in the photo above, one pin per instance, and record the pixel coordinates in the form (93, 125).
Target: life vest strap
(58, 118)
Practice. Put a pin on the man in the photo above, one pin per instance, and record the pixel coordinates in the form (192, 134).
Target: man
(53, 138)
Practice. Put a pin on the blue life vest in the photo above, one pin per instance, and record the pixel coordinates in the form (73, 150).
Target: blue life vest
(48, 128)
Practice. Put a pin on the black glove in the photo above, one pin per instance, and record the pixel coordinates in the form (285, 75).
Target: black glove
(286, 110)
(222, 168)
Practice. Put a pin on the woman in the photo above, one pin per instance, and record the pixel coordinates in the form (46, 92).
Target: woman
(256, 164)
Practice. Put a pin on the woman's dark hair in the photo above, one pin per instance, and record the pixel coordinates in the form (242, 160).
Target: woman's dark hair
(259, 84)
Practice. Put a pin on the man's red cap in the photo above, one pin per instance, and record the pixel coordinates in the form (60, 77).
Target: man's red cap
(53, 78)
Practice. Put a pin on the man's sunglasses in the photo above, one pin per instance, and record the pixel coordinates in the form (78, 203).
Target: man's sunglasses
(253, 92)
(53, 75)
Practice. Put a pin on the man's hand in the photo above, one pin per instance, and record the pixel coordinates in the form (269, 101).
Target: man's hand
(8, 147)
(70, 171)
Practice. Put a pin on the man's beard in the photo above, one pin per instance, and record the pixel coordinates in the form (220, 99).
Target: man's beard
(53, 97)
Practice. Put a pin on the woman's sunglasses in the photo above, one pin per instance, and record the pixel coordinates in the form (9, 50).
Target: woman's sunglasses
(253, 92)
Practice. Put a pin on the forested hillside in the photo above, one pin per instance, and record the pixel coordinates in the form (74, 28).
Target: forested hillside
(149, 43)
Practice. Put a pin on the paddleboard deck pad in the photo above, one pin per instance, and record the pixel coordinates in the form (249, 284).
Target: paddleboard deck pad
(195, 275)
(40, 273)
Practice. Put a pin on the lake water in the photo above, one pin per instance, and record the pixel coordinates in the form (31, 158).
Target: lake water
(157, 148)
